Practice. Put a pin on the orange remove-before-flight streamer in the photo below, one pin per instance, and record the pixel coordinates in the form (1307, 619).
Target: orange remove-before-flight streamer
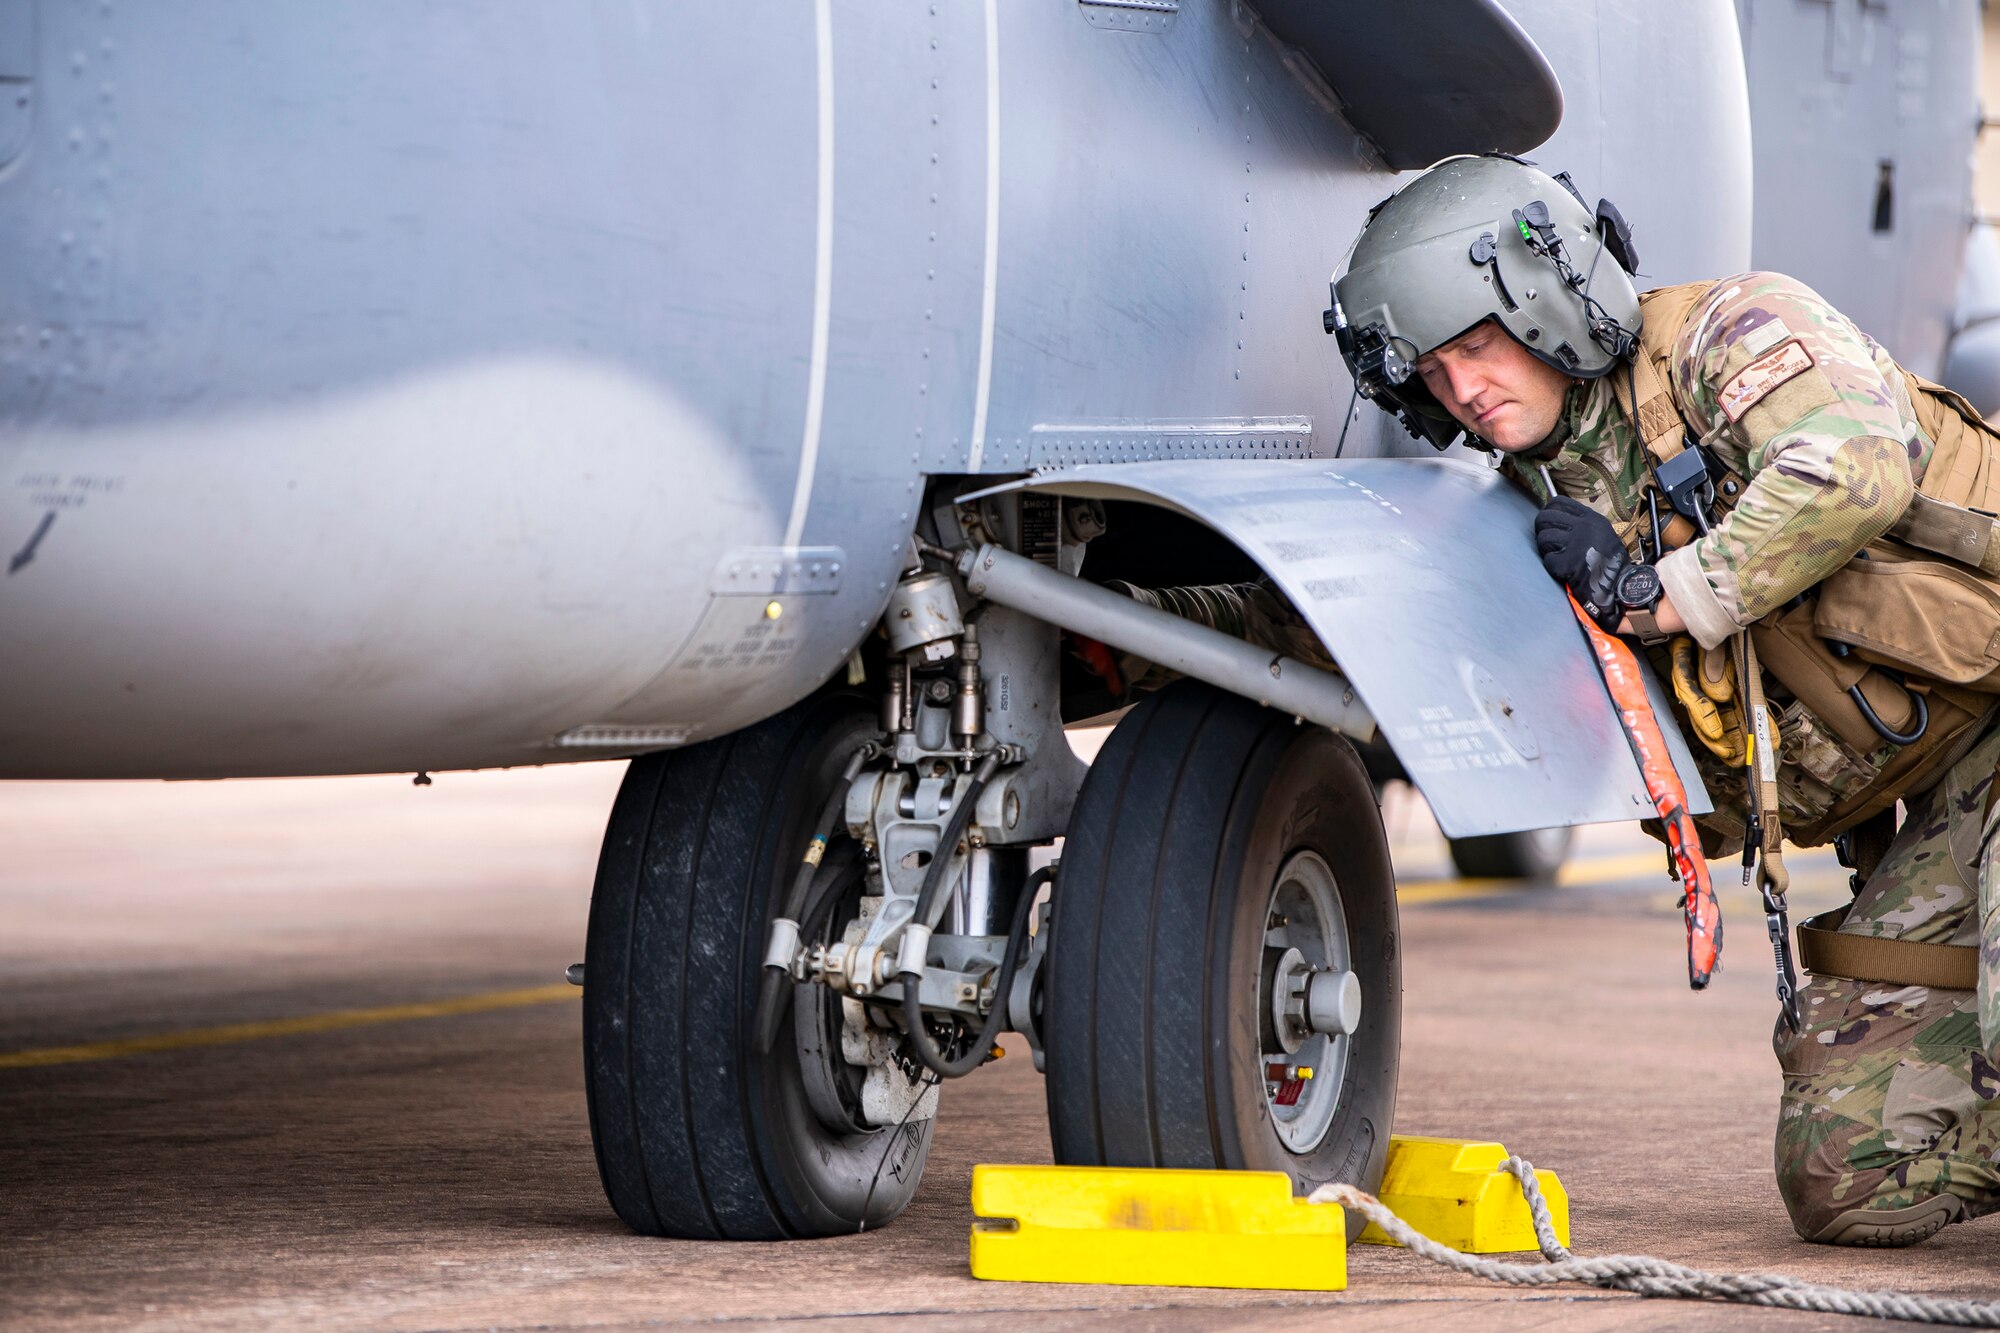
(1622, 677)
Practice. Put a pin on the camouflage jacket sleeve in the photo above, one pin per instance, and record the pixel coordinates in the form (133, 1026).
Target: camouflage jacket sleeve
(1787, 391)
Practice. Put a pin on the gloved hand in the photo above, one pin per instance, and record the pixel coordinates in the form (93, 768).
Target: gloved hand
(1705, 683)
(1581, 550)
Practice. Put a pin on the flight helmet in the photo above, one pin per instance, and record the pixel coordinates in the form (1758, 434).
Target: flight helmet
(1477, 238)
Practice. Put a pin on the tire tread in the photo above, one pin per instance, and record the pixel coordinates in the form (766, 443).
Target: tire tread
(694, 1137)
(1140, 1070)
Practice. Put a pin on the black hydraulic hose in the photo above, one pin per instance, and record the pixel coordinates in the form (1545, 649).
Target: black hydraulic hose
(996, 1018)
(913, 1013)
(954, 829)
(770, 989)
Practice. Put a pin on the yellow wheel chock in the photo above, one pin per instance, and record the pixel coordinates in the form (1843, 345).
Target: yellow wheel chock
(1240, 1229)
(1455, 1192)
(1153, 1228)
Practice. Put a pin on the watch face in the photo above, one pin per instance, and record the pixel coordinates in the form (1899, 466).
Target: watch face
(1639, 586)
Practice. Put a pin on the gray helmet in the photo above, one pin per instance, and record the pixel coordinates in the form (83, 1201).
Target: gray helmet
(1478, 238)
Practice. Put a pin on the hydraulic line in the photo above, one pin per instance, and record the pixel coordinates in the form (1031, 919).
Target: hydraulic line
(954, 829)
(785, 930)
(927, 903)
(913, 1011)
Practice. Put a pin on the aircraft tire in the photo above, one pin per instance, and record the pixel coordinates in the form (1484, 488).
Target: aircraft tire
(1186, 832)
(1533, 854)
(696, 1135)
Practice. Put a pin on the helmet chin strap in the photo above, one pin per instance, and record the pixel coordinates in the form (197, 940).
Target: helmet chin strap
(1551, 445)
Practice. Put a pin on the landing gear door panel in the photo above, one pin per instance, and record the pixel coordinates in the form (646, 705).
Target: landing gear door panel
(1421, 578)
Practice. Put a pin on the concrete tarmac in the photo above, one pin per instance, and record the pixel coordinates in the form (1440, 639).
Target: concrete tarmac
(242, 1085)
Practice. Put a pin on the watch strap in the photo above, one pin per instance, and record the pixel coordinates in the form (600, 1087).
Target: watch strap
(1646, 624)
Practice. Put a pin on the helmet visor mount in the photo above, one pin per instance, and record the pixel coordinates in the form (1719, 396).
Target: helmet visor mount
(1384, 366)
(1382, 361)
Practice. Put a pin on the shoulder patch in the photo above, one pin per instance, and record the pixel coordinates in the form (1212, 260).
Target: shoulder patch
(1749, 385)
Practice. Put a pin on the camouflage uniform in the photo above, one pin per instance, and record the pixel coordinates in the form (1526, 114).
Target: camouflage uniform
(1889, 1100)
(1889, 1090)
(1831, 456)
(1889, 1094)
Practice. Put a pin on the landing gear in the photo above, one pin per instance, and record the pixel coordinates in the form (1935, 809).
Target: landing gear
(697, 1135)
(1222, 981)
(801, 929)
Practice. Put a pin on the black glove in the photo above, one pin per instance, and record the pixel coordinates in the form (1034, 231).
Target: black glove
(1581, 550)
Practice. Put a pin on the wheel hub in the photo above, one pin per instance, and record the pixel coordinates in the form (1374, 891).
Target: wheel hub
(1312, 998)
(1306, 1000)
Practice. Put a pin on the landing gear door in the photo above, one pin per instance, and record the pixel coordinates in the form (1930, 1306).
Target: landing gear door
(1420, 576)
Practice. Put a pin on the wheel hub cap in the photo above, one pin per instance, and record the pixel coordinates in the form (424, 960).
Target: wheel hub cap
(1313, 1000)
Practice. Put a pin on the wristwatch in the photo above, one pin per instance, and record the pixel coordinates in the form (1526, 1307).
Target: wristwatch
(1639, 592)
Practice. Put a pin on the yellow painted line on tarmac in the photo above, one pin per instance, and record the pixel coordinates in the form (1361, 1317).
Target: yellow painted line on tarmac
(1448, 890)
(230, 1033)
(1574, 874)
(1611, 869)
(1807, 867)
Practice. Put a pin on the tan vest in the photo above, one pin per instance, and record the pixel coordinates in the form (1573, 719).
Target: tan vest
(1923, 604)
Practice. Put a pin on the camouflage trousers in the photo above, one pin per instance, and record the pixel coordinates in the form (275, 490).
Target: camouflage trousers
(1891, 1102)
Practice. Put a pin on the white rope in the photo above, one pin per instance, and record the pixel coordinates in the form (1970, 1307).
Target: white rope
(1656, 1277)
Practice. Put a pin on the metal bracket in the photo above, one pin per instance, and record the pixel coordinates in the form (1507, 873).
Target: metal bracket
(1130, 15)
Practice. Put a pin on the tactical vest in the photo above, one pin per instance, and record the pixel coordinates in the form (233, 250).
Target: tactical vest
(1913, 620)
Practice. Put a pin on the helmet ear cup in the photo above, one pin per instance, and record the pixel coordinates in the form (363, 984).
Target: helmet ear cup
(1616, 233)
(1422, 417)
